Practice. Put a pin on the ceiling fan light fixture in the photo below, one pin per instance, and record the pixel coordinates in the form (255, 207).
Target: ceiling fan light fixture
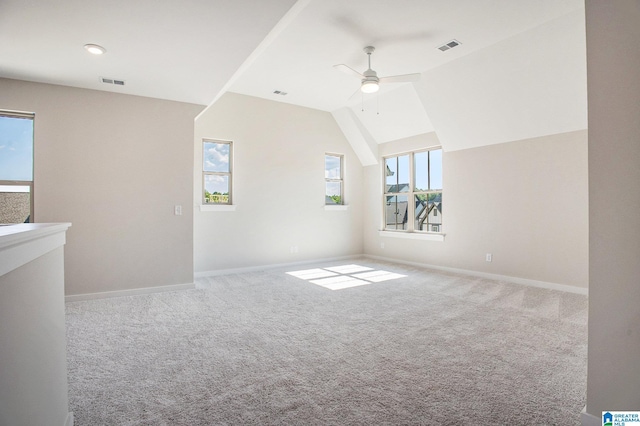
(369, 86)
(95, 49)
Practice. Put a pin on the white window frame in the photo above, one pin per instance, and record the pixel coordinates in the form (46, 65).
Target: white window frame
(22, 183)
(410, 231)
(339, 180)
(228, 174)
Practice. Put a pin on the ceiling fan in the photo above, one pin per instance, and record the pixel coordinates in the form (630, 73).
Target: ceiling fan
(370, 82)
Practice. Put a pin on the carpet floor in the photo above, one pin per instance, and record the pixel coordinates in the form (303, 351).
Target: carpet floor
(358, 342)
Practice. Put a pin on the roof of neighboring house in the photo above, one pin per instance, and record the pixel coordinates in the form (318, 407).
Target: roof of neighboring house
(391, 208)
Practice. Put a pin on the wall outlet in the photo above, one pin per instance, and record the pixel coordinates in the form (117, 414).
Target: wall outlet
(381, 245)
(177, 210)
(489, 257)
(293, 249)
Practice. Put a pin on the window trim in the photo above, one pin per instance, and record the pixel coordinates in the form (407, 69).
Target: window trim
(229, 174)
(410, 232)
(30, 183)
(340, 180)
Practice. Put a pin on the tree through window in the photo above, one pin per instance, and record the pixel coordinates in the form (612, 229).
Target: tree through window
(216, 175)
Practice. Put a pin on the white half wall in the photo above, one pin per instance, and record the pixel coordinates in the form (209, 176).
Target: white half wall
(278, 187)
(525, 202)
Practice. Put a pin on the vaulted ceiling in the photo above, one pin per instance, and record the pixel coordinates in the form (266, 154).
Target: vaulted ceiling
(518, 72)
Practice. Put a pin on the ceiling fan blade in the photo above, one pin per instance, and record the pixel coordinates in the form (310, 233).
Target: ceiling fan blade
(348, 70)
(404, 78)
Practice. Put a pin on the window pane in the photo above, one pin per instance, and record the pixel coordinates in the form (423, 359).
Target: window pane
(421, 171)
(428, 211)
(396, 212)
(403, 174)
(216, 189)
(15, 204)
(216, 157)
(435, 169)
(397, 174)
(332, 167)
(333, 193)
(432, 221)
(16, 148)
(391, 174)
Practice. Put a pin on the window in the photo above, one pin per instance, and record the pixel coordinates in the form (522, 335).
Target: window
(216, 174)
(16, 167)
(333, 176)
(413, 189)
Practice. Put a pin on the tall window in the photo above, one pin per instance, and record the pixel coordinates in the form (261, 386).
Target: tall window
(333, 177)
(413, 191)
(16, 167)
(216, 171)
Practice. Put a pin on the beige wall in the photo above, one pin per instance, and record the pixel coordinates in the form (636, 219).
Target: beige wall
(613, 68)
(278, 187)
(114, 166)
(525, 202)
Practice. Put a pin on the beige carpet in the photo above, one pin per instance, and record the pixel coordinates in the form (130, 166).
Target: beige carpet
(270, 348)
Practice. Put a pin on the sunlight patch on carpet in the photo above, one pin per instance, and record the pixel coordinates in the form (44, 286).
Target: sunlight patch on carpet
(344, 276)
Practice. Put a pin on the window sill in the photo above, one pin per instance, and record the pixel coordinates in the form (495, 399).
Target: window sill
(217, 208)
(336, 207)
(412, 235)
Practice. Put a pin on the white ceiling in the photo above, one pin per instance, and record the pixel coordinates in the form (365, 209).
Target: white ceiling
(195, 50)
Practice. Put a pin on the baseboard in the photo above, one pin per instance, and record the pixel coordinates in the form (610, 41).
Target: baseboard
(131, 292)
(587, 419)
(514, 280)
(69, 420)
(203, 274)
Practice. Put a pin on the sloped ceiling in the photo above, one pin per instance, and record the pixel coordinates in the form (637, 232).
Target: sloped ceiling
(519, 71)
(182, 50)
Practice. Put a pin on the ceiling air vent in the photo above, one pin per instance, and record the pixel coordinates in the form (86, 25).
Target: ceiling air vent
(449, 45)
(107, 80)
(280, 92)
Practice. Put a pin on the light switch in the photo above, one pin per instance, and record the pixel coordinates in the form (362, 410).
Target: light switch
(177, 210)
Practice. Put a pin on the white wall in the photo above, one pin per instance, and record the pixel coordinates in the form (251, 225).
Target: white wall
(525, 202)
(114, 166)
(33, 350)
(278, 187)
(613, 66)
(532, 84)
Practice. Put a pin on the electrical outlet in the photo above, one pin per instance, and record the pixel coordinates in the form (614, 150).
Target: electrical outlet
(489, 257)
(381, 245)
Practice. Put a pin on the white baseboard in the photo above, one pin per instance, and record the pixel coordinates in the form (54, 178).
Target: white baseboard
(69, 420)
(514, 280)
(203, 274)
(131, 292)
(587, 419)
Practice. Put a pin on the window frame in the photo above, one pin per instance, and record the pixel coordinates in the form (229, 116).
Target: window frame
(228, 174)
(410, 194)
(334, 180)
(30, 183)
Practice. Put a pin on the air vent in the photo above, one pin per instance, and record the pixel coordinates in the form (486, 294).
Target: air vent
(449, 45)
(280, 92)
(107, 80)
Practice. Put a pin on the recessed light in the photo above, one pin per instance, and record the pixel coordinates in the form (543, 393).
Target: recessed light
(95, 49)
